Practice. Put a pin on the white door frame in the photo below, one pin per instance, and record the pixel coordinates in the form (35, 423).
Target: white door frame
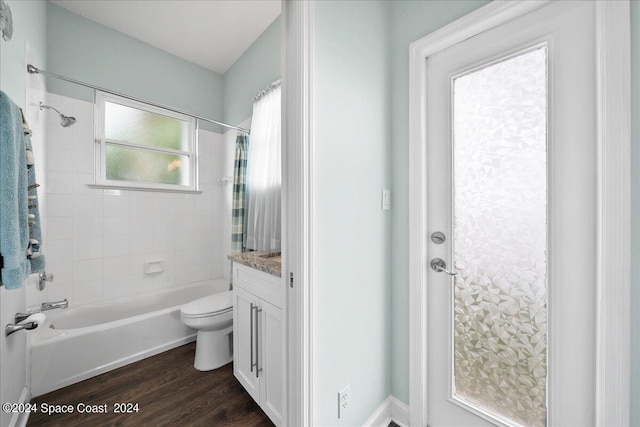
(297, 197)
(613, 200)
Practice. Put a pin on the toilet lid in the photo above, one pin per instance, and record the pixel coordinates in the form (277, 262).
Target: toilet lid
(221, 301)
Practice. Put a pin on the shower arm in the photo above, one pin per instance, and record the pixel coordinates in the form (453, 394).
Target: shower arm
(50, 108)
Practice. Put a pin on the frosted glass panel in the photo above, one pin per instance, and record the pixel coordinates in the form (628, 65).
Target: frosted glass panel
(500, 238)
(129, 124)
(139, 165)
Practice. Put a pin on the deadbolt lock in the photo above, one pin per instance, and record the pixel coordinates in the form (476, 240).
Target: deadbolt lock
(438, 238)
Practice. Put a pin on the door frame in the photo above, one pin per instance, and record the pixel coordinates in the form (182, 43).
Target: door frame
(297, 210)
(613, 200)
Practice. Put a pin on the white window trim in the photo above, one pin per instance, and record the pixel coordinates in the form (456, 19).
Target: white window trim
(100, 179)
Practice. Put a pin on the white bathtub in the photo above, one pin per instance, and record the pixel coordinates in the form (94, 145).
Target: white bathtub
(84, 341)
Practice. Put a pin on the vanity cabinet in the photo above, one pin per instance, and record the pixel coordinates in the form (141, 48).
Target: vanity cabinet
(258, 337)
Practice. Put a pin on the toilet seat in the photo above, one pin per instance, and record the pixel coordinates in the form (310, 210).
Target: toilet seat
(216, 304)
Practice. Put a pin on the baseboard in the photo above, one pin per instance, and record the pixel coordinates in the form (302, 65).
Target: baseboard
(399, 412)
(20, 419)
(391, 409)
(382, 416)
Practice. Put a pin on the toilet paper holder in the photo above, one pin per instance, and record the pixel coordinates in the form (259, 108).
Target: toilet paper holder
(11, 328)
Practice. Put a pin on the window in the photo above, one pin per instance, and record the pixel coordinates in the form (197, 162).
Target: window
(144, 147)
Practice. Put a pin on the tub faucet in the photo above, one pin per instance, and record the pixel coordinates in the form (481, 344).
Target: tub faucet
(55, 304)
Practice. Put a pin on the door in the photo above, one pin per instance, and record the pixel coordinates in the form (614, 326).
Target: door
(511, 173)
(245, 332)
(270, 361)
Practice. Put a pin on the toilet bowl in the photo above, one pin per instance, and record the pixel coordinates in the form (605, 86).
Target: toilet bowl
(212, 317)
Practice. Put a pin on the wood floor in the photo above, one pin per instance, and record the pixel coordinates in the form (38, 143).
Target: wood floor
(168, 390)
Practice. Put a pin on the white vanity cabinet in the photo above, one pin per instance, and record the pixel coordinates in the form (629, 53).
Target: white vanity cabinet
(258, 337)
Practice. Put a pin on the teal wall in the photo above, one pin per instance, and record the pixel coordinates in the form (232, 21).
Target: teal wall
(84, 50)
(410, 20)
(258, 66)
(352, 233)
(29, 25)
(635, 213)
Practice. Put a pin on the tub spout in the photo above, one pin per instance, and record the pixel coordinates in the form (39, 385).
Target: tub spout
(55, 304)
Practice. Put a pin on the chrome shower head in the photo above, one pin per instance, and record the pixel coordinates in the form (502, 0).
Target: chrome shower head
(65, 121)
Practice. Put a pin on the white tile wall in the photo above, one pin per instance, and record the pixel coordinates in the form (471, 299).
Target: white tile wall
(97, 241)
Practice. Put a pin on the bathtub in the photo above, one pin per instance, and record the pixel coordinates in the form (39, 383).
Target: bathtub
(84, 341)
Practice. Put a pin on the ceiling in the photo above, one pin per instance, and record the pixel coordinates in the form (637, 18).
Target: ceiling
(210, 33)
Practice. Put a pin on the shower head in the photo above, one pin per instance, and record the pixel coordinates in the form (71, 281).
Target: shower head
(65, 121)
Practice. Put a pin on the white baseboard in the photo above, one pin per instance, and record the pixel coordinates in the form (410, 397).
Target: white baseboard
(399, 412)
(20, 419)
(382, 416)
(391, 409)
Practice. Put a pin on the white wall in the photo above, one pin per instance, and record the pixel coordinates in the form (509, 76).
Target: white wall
(351, 252)
(13, 349)
(14, 369)
(97, 241)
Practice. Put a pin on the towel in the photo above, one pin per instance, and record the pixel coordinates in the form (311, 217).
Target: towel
(14, 228)
(6, 21)
(36, 261)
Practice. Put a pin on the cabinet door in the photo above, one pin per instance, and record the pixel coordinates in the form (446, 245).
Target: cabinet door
(270, 361)
(245, 333)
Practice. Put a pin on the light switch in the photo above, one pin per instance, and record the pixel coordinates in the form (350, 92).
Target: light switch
(386, 199)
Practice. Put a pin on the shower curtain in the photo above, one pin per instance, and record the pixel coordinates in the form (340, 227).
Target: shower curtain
(238, 235)
(264, 173)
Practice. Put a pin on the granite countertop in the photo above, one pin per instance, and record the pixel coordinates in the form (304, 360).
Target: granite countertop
(268, 262)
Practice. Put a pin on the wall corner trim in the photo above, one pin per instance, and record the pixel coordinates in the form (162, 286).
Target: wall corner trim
(297, 198)
(20, 418)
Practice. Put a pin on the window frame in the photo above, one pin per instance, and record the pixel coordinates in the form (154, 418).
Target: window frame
(100, 178)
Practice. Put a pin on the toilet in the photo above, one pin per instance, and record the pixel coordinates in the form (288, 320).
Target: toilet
(212, 317)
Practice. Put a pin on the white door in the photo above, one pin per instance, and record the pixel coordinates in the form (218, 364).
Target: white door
(511, 173)
(245, 334)
(270, 361)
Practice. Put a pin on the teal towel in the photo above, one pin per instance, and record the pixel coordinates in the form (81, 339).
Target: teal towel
(37, 264)
(14, 227)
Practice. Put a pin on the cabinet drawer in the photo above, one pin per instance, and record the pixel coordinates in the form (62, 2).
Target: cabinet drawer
(263, 285)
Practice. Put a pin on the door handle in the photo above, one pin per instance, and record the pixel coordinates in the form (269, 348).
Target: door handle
(438, 265)
(251, 337)
(258, 369)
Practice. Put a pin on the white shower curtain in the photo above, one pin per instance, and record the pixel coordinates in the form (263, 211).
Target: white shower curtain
(264, 174)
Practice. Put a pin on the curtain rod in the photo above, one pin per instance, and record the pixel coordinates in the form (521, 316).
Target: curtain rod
(266, 90)
(34, 70)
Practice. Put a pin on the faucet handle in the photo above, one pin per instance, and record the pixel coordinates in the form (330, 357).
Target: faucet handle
(43, 278)
(54, 304)
(21, 316)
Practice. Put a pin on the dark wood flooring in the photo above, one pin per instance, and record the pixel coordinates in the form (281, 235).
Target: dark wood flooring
(168, 390)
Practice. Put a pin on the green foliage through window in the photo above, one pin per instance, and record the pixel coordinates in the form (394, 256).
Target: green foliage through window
(145, 146)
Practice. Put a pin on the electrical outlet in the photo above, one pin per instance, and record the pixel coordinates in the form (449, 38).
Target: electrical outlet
(344, 400)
